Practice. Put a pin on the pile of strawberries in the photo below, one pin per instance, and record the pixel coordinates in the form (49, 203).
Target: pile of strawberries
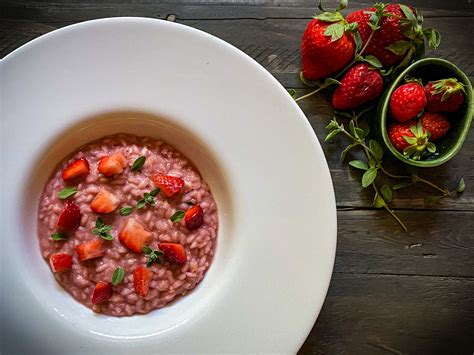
(362, 50)
(131, 234)
(412, 101)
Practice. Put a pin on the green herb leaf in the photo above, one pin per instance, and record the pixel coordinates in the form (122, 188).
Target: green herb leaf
(125, 211)
(376, 149)
(58, 236)
(292, 93)
(365, 127)
(118, 276)
(374, 21)
(386, 193)
(402, 184)
(352, 128)
(400, 47)
(358, 41)
(359, 164)
(141, 204)
(360, 132)
(154, 192)
(342, 5)
(177, 216)
(309, 83)
(352, 27)
(378, 201)
(138, 163)
(153, 255)
(369, 177)
(332, 125)
(332, 134)
(147, 249)
(461, 186)
(373, 61)
(331, 81)
(345, 151)
(67, 192)
(102, 230)
(431, 147)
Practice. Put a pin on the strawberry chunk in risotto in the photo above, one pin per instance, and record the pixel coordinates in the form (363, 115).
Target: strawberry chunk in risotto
(127, 225)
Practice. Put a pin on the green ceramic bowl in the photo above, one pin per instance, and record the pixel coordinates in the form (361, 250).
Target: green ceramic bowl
(429, 69)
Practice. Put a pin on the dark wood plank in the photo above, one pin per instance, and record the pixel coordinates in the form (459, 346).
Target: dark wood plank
(389, 314)
(73, 11)
(439, 243)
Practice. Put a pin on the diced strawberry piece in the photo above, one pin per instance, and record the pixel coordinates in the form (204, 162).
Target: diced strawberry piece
(90, 250)
(134, 236)
(112, 164)
(142, 280)
(77, 168)
(60, 262)
(102, 292)
(104, 202)
(70, 217)
(173, 252)
(170, 185)
(194, 217)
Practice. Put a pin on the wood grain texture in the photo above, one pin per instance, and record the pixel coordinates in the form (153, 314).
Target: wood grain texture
(392, 314)
(391, 292)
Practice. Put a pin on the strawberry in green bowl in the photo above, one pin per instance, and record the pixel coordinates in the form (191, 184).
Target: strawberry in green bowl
(425, 115)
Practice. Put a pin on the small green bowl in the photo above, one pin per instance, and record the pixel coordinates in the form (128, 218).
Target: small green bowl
(429, 69)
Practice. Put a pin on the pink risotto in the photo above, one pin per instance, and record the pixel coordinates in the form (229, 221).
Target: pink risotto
(127, 225)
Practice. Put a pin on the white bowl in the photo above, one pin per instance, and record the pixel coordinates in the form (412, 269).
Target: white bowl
(251, 142)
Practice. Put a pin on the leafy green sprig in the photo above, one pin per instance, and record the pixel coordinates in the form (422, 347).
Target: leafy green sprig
(102, 230)
(148, 199)
(372, 166)
(153, 255)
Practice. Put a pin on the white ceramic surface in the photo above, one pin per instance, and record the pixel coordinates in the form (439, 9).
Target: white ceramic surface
(277, 235)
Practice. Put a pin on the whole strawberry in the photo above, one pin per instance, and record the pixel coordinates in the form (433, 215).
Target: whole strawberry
(359, 85)
(446, 95)
(436, 124)
(398, 32)
(407, 101)
(410, 138)
(326, 47)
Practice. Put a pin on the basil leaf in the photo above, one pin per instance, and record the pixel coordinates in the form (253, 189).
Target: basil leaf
(177, 216)
(67, 192)
(125, 211)
(58, 236)
(138, 163)
(118, 276)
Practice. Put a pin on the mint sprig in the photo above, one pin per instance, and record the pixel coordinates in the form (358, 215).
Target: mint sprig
(153, 255)
(148, 199)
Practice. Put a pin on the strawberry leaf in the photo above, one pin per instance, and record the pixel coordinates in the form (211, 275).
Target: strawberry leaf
(358, 41)
(410, 140)
(400, 47)
(369, 177)
(408, 13)
(433, 37)
(336, 31)
(431, 147)
(373, 61)
(330, 17)
(342, 5)
(359, 164)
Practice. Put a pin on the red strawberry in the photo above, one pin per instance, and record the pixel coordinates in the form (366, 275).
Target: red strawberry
(170, 185)
(436, 124)
(407, 101)
(77, 168)
(112, 164)
(134, 236)
(70, 217)
(102, 292)
(194, 217)
(104, 202)
(360, 84)
(173, 252)
(410, 138)
(444, 95)
(141, 280)
(325, 54)
(90, 250)
(60, 262)
(389, 33)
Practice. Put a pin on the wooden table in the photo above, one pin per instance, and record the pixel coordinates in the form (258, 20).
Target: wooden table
(391, 291)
